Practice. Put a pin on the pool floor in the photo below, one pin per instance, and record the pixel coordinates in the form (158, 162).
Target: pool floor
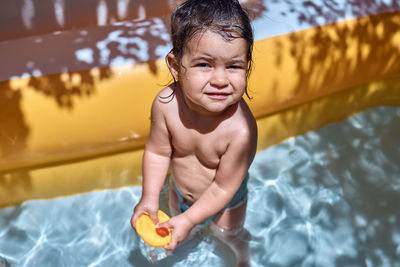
(326, 198)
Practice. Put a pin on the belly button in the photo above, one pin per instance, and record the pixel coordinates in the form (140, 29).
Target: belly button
(189, 197)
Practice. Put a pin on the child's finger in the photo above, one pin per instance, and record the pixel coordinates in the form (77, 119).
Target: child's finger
(133, 222)
(165, 224)
(154, 217)
(134, 217)
(172, 244)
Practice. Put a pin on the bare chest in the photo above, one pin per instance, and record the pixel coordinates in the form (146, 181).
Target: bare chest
(208, 148)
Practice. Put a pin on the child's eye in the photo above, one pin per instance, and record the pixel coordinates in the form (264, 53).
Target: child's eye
(235, 67)
(202, 65)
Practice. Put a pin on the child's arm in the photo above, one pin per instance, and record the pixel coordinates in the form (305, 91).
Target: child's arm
(232, 169)
(156, 159)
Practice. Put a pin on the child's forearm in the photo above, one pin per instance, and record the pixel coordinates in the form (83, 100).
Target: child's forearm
(213, 200)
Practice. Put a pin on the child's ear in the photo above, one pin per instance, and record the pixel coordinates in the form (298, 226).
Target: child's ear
(173, 65)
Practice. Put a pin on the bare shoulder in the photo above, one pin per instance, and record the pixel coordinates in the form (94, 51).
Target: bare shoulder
(242, 142)
(164, 101)
(243, 131)
(245, 122)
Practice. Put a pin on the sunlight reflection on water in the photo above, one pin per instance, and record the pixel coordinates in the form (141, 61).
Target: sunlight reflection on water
(326, 198)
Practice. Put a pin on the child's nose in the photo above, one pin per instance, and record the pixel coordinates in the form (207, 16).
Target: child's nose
(219, 78)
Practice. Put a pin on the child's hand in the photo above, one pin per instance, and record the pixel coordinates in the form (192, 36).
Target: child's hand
(180, 226)
(144, 207)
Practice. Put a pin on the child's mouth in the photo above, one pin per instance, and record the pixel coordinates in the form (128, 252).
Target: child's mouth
(219, 96)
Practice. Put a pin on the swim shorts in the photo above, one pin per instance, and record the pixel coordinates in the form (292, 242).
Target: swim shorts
(238, 199)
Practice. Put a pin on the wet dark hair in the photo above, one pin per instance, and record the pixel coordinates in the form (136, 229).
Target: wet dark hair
(224, 17)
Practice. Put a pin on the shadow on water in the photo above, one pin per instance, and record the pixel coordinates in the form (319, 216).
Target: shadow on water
(367, 179)
(332, 195)
(11, 233)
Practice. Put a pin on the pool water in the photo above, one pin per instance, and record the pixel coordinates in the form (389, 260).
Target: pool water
(326, 198)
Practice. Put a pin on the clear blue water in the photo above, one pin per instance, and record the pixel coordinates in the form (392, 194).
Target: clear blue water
(326, 198)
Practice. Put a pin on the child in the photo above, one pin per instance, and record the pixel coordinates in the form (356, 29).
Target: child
(200, 125)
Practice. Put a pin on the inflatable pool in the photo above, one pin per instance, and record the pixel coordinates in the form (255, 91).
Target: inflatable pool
(75, 95)
(76, 90)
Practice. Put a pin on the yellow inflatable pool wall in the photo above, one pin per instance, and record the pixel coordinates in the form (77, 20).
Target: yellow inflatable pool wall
(75, 119)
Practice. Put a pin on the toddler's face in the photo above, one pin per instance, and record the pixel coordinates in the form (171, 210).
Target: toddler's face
(212, 72)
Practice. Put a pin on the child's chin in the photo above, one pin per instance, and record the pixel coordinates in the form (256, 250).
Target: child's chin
(217, 109)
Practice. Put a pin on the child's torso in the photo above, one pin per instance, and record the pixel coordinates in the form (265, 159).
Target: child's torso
(198, 146)
(195, 158)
